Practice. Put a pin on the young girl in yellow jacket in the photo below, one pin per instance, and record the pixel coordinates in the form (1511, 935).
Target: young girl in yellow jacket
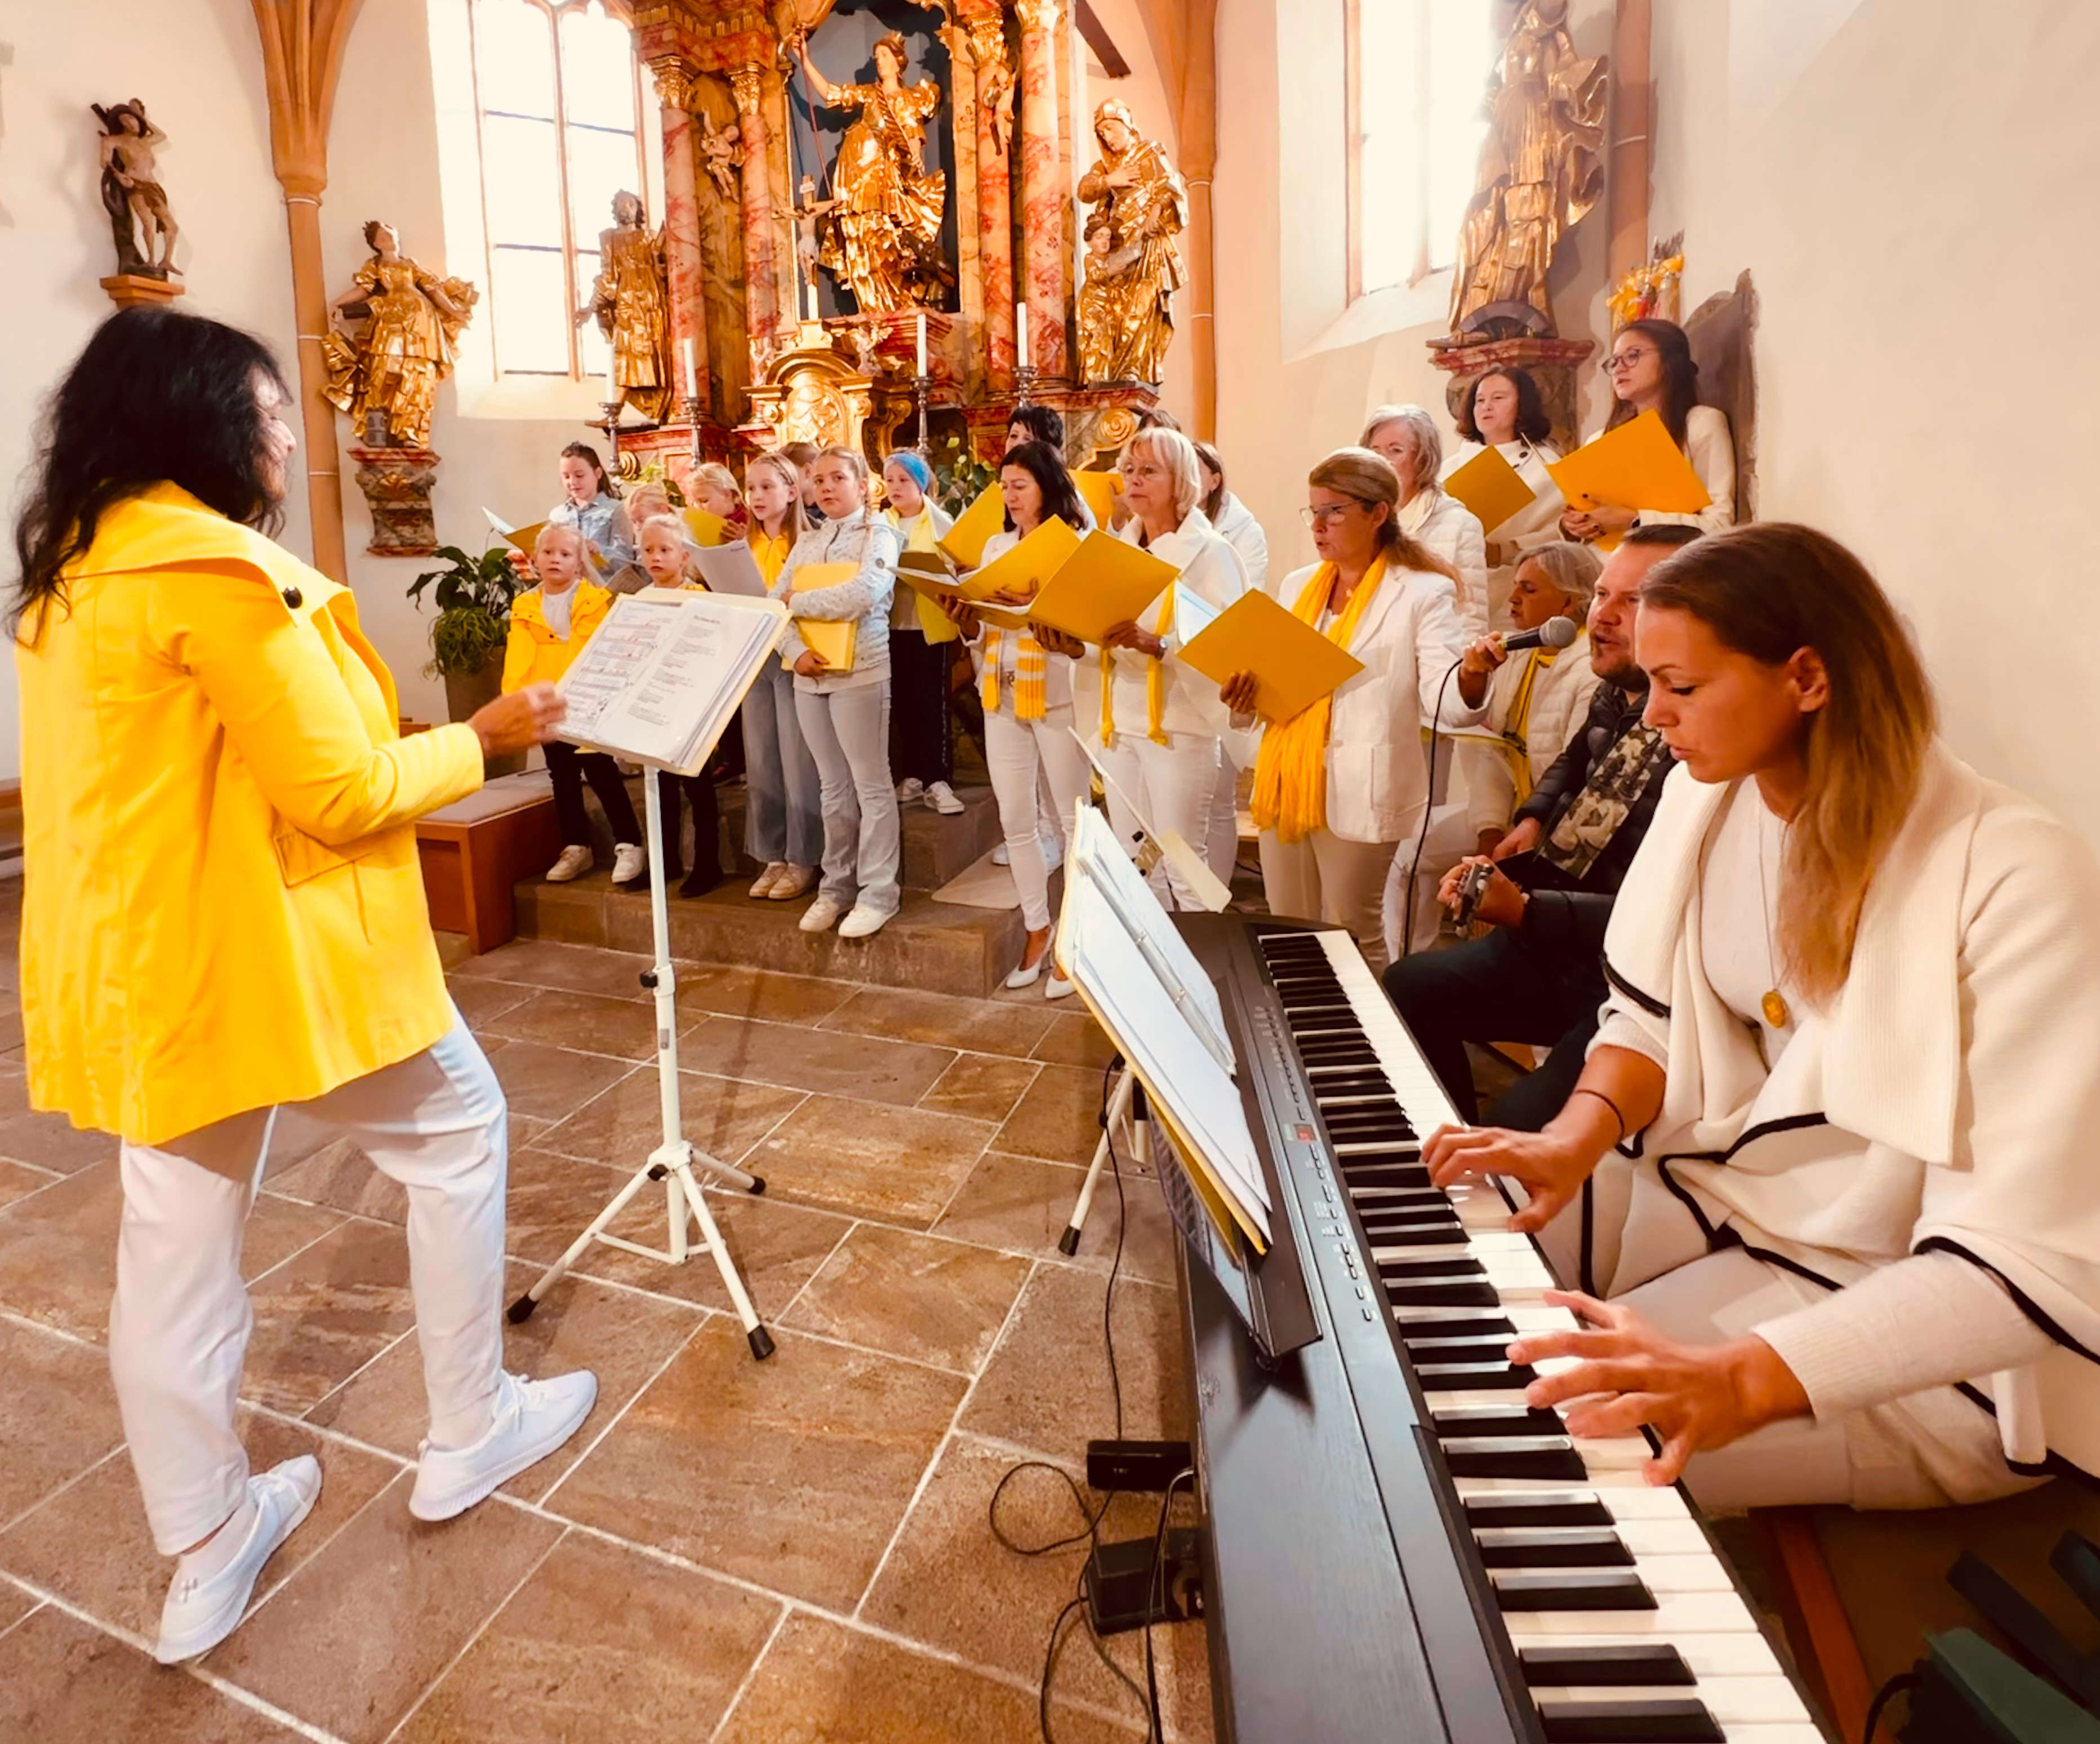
(667, 559)
(549, 627)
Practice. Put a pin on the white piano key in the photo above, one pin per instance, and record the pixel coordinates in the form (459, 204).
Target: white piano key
(1676, 1614)
(1719, 1654)
(1648, 1502)
(1729, 1700)
(1649, 1537)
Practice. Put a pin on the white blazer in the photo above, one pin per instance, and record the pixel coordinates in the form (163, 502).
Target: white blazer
(1377, 778)
(1057, 668)
(1236, 526)
(1711, 450)
(1208, 568)
(1560, 696)
(1446, 527)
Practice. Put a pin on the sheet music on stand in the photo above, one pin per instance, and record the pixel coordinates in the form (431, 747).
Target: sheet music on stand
(661, 678)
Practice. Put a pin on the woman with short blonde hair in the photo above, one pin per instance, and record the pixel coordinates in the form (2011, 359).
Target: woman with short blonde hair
(1407, 440)
(782, 826)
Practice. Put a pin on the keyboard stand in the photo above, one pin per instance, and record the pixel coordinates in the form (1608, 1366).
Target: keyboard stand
(1126, 1109)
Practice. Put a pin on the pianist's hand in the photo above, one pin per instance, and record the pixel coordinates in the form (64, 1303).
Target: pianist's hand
(1552, 1165)
(1695, 1397)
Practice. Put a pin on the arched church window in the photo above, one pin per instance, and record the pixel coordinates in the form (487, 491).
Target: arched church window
(1416, 71)
(557, 96)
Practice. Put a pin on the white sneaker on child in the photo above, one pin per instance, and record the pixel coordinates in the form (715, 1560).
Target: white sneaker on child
(1053, 852)
(942, 797)
(863, 922)
(762, 885)
(202, 1610)
(822, 915)
(574, 862)
(532, 1418)
(909, 791)
(629, 862)
(1000, 857)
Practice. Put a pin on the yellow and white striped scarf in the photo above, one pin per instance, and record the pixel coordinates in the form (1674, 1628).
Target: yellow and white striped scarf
(1155, 681)
(1032, 667)
(1290, 773)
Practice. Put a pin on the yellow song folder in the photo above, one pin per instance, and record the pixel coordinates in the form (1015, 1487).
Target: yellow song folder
(1099, 491)
(1024, 569)
(707, 529)
(965, 540)
(1491, 488)
(1293, 664)
(1635, 466)
(1105, 582)
(836, 640)
(523, 538)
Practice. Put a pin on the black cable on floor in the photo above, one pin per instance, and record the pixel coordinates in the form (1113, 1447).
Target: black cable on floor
(1894, 1687)
(1155, 1593)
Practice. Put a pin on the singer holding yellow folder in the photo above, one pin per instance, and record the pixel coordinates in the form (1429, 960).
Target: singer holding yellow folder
(1651, 369)
(1340, 787)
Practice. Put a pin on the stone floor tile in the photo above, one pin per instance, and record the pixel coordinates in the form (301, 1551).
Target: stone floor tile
(54, 1142)
(357, 1635)
(898, 1165)
(481, 1001)
(16, 1603)
(1023, 1205)
(549, 1084)
(18, 1181)
(545, 963)
(603, 1641)
(325, 1314)
(1074, 1038)
(730, 991)
(792, 1472)
(1059, 1117)
(1056, 1331)
(621, 1337)
(821, 1682)
(58, 1414)
(836, 1064)
(943, 1020)
(934, 1301)
(980, 1087)
(723, 1116)
(586, 1022)
(90, 1544)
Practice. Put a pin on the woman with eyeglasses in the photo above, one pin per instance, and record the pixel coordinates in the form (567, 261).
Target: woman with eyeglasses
(1650, 370)
(1339, 787)
(1504, 410)
(1407, 440)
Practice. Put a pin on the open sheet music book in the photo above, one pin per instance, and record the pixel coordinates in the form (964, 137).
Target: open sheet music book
(1145, 988)
(661, 680)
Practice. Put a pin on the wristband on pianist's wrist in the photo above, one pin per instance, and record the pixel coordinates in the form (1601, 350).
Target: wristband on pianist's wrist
(1617, 1114)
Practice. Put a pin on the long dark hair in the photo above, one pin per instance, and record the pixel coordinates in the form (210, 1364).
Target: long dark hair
(1768, 589)
(157, 397)
(1532, 422)
(1680, 377)
(1212, 501)
(1046, 466)
(584, 451)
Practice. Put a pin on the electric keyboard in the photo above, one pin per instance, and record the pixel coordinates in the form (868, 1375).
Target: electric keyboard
(1398, 1548)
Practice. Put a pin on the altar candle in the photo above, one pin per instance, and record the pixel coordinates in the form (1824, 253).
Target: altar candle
(692, 347)
(611, 379)
(922, 342)
(1020, 331)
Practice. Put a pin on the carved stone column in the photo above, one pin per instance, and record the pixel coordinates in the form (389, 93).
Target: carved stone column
(963, 130)
(686, 278)
(994, 199)
(761, 284)
(1043, 201)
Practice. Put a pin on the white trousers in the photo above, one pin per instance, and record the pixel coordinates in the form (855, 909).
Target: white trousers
(1449, 842)
(1024, 758)
(1223, 849)
(1324, 878)
(179, 1328)
(1927, 1449)
(1175, 786)
(848, 732)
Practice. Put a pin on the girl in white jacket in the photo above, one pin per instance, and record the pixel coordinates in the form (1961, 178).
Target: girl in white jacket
(1339, 787)
(1839, 1232)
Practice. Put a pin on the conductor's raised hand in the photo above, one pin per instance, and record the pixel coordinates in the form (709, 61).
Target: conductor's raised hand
(1237, 693)
(1551, 1166)
(517, 722)
(809, 664)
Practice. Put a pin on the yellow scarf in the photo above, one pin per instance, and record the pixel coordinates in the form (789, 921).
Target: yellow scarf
(1290, 773)
(1155, 682)
(1030, 668)
(922, 535)
(1517, 728)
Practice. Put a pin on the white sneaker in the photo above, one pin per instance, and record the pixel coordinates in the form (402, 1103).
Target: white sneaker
(762, 884)
(1057, 986)
(822, 915)
(1053, 852)
(863, 922)
(629, 862)
(199, 1615)
(909, 791)
(532, 1418)
(942, 797)
(574, 862)
(1000, 857)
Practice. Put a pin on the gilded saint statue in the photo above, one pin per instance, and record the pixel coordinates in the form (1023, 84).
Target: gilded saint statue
(882, 238)
(1133, 266)
(632, 307)
(386, 376)
(1542, 168)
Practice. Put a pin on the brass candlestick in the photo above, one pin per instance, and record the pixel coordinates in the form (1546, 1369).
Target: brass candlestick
(922, 387)
(1024, 381)
(612, 428)
(692, 409)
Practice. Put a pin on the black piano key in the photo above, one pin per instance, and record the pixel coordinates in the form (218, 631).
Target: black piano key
(1453, 1291)
(1540, 1507)
(1516, 1419)
(1432, 1266)
(1643, 1665)
(1455, 1325)
(1474, 1377)
(1482, 1348)
(1407, 1177)
(1552, 1547)
(1546, 1456)
(1665, 1720)
(1571, 1590)
(1407, 1156)
(1386, 1231)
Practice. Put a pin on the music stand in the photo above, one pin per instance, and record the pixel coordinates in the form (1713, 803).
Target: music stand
(673, 1160)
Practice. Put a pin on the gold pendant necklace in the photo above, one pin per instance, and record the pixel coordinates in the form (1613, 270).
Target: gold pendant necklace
(1774, 1004)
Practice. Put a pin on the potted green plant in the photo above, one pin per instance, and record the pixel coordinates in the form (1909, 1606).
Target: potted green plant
(473, 595)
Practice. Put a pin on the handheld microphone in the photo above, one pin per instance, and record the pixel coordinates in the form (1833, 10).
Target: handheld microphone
(1554, 633)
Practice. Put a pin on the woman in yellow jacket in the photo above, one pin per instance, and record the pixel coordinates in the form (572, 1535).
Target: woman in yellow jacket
(222, 912)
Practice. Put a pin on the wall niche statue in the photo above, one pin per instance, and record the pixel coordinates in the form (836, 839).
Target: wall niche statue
(1140, 205)
(386, 375)
(632, 307)
(139, 221)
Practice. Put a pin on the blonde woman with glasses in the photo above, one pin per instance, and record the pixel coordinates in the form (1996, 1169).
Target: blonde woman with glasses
(1406, 438)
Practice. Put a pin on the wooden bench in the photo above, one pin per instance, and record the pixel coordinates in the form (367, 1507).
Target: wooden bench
(474, 850)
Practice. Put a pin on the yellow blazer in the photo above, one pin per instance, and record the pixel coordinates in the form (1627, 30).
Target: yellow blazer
(533, 653)
(223, 908)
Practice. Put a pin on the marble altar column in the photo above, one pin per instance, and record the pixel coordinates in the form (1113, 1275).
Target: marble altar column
(963, 134)
(994, 77)
(1044, 203)
(684, 277)
(761, 289)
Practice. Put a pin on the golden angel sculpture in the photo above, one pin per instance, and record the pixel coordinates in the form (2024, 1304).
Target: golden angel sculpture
(1133, 266)
(632, 307)
(386, 376)
(882, 239)
(1541, 168)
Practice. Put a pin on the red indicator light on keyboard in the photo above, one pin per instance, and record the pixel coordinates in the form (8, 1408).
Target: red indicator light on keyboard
(1304, 1133)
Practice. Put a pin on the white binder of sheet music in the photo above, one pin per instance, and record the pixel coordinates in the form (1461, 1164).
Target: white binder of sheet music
(661, 678)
